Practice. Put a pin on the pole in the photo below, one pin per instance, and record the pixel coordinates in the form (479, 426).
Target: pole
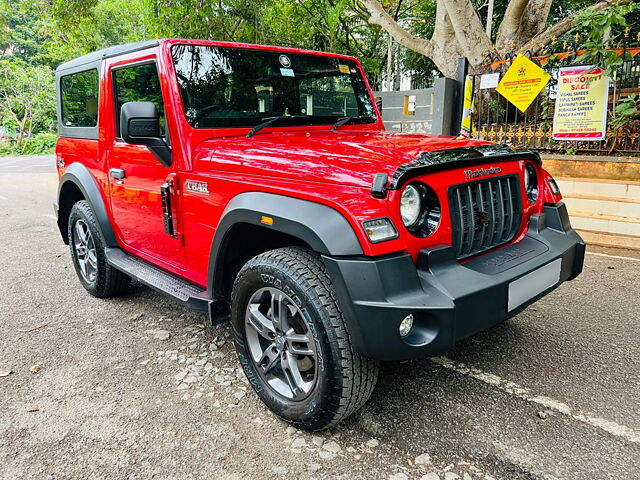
(489, 18)
(389, 62)
(463, 70)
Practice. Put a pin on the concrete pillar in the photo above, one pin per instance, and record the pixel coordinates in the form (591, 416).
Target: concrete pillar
(444, 107)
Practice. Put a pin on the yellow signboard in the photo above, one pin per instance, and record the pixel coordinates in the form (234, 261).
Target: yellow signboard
(581, 104)
(523, 82)
(465, 126)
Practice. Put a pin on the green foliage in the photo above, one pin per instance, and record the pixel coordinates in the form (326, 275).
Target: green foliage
(40, 144)
(82, 26)
(595, 24)
(496, 108)
(627, 111)
(328, 25)
(27, 97)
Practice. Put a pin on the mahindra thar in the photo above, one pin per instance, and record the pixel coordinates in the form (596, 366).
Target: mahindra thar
(258, 184)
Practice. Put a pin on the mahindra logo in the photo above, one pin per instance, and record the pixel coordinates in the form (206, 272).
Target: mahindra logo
(284, 61)
(481, 172)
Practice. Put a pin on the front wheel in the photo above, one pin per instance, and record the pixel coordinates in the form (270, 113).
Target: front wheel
(292, 340)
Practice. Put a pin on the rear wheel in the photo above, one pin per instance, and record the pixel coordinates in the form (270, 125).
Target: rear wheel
(292, 340)
(88, 253)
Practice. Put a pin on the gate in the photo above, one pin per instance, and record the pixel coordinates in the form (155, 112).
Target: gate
(496, 119)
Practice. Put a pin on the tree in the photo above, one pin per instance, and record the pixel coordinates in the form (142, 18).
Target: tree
(27, 96)
(81, 26)
(459, 32)
(329, 25)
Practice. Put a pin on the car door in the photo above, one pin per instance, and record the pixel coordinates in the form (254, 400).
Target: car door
(137, 179)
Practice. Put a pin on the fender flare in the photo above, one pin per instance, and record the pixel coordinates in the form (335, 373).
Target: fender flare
(323, 228)
(80, 175)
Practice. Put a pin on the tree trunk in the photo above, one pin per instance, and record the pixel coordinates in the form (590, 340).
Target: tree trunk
(523, 20)
(445, 45)
(459, 33)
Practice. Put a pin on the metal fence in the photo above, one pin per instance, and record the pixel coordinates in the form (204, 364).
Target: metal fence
(498, 120)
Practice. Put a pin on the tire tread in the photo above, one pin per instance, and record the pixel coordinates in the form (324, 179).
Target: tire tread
(356, 375)
(111, 282)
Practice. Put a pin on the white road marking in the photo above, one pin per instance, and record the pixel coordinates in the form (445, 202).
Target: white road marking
(527, 394)
(614, 256)
(3, 198)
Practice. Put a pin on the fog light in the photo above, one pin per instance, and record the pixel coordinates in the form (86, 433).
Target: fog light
(406, 325)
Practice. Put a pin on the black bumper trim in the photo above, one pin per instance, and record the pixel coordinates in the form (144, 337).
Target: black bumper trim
(449, 300)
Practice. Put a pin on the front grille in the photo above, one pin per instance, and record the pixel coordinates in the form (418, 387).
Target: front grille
(484, 214)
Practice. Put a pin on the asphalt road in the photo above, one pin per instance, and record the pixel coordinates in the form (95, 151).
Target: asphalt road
(551, 394)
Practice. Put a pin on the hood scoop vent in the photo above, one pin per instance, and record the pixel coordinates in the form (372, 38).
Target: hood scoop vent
(456, 157)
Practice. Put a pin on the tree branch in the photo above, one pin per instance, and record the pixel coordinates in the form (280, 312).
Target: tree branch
(469, 30)
(380, 17)
(539, 41)
(510, 25)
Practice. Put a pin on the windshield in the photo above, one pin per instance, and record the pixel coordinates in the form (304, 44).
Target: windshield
(239, 87)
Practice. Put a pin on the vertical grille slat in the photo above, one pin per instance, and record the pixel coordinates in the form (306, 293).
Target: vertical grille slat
(484, 214)
(510, 206)
(500, 194)
(482, 208)
(492, 217)
(460, 242)
(472, 220)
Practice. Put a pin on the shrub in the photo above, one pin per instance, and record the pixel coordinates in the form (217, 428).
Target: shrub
(39, 144)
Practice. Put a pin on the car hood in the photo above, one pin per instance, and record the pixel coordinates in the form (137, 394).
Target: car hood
(346, 157)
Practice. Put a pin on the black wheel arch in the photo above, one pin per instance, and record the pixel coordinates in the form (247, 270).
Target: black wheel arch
(295, 222)
(76, 184)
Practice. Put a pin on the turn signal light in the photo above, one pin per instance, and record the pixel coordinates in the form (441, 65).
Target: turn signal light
(380, 230)
(553, 186)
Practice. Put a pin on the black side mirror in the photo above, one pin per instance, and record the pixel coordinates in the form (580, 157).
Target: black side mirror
(140, 125)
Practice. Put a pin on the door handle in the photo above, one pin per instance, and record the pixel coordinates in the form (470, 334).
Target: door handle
(117, 173)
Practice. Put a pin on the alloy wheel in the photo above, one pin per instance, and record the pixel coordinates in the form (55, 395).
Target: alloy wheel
(281, 344)
(85, 249)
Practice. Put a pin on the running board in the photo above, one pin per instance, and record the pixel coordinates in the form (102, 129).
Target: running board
(173, 287)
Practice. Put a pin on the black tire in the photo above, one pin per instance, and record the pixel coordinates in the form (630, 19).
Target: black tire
(105, 281)
(343, 380)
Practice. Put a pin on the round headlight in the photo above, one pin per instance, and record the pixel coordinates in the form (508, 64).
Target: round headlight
(410, 205)
(531, 182)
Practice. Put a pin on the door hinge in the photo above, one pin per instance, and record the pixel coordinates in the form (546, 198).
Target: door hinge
(167, 209)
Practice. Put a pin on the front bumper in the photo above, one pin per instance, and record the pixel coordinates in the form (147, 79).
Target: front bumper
(448, 300)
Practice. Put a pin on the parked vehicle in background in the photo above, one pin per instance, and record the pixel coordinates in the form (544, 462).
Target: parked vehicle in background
(4, 134)
(259, 182)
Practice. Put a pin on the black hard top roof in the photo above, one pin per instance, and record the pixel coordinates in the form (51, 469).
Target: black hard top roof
(108, 52)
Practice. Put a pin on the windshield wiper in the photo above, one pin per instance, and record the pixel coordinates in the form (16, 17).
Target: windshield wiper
(268, 121)
(344, 120)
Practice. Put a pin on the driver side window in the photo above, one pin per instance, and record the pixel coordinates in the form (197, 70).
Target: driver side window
(139, 83)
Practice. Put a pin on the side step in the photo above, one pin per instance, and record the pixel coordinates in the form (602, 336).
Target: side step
(173, 287)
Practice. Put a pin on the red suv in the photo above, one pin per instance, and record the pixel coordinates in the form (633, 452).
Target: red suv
(258, 184)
